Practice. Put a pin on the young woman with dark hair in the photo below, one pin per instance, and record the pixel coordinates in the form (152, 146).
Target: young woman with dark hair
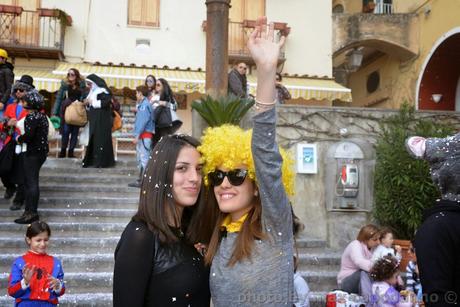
(156, 263)
(251, 249)
(72, 88)
(166, 101)
(150, 82)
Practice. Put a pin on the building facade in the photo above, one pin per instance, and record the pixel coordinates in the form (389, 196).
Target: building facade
(409, 51)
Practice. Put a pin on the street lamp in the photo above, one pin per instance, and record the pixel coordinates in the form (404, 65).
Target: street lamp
(354, 59)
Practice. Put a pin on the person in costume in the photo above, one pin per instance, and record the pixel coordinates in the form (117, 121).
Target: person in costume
(385, 275)
(437, 241)
(250, 177)
(156, 263)
(14, 182)
(99, 152)
(36, 278)
(35, 137)
(72, 89)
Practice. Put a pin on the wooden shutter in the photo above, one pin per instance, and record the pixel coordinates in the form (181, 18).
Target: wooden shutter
(144, 12)
(135, 12)
(254, 9)
(152, 9)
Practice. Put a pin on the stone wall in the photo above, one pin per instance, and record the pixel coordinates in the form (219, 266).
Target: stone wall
(326, 127)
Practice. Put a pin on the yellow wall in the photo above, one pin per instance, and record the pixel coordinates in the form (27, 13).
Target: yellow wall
(407, 6)
(399, 80)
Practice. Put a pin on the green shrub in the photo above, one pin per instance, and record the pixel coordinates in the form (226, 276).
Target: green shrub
(403, 186)
(224, 110)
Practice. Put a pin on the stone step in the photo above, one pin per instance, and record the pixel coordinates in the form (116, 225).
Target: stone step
(78, 282)
(76, 215)
(320, 280)
(107, 202)
(76, 229)
(310, 242)
(90, 178)
(308, 257)
(62, 245)
(52, 162)
(72, 263)
(120, 189)
(317, 299)
(102, 299)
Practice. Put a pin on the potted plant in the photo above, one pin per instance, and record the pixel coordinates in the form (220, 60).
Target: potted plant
(402, 185)
(368, 7)
(223, 110)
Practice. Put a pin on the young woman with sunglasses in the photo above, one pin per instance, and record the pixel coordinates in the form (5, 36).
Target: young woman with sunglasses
(72, 88)
(156, 263)
(251, 248)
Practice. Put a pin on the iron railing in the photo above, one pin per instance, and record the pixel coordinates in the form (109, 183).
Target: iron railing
(25, 29)
(383, 8)
(238, 35)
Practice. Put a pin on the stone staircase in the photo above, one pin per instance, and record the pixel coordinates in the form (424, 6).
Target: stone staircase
(87, 210)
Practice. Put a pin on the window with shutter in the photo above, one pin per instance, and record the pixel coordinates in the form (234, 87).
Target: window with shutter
(145, 13)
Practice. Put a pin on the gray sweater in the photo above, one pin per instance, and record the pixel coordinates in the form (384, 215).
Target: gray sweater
(267, 278)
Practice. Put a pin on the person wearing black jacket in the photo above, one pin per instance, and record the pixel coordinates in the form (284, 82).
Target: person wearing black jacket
(437, 241)
(156, 263)
(6, 78)
(35, 136)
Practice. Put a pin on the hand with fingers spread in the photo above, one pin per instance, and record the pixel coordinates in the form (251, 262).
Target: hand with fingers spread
(264, 49)
(27, 273)
(54, 283)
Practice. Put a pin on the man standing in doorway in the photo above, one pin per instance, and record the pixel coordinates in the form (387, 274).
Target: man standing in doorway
(6, 78)
(237, 82)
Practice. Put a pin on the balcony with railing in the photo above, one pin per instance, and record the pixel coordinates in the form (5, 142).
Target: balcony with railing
(33, 34)
(238, 35)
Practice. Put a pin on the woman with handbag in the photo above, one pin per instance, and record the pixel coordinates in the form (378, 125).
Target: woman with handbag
(99, 152)
(166, 120)
(72, 89)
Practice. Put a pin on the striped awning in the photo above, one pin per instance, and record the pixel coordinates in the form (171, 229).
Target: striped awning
(43, 79)
(180, 80)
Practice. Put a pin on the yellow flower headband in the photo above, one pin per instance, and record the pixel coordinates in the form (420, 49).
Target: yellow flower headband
(229, 147)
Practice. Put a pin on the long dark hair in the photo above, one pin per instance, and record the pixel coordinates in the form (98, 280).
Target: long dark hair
(78, 78)
(152, 87)
(251, 230)
(167, 93)
(156, 203)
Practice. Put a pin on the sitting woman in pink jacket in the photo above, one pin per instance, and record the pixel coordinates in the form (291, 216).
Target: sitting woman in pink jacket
(357, 262)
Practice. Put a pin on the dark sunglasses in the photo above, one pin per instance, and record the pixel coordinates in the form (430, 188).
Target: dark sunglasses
(70, 74)
(19, 90)
(236, 177)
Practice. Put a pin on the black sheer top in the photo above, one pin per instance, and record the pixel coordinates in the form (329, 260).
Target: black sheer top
(148, 273)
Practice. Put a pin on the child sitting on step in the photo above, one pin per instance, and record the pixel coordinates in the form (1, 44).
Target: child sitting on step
(36, 278)
(385, 273)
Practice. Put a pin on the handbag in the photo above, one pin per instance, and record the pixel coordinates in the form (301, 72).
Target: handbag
(6, 158)
(75, 114)
(117, 122)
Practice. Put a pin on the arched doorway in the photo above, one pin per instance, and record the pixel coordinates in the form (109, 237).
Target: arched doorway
(440, 75)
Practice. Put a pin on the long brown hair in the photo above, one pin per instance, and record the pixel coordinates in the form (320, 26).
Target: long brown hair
(78, 78)
(156, 203)
(251, 230)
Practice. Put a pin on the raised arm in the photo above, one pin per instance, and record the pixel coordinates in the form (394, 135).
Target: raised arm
(275, 203)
